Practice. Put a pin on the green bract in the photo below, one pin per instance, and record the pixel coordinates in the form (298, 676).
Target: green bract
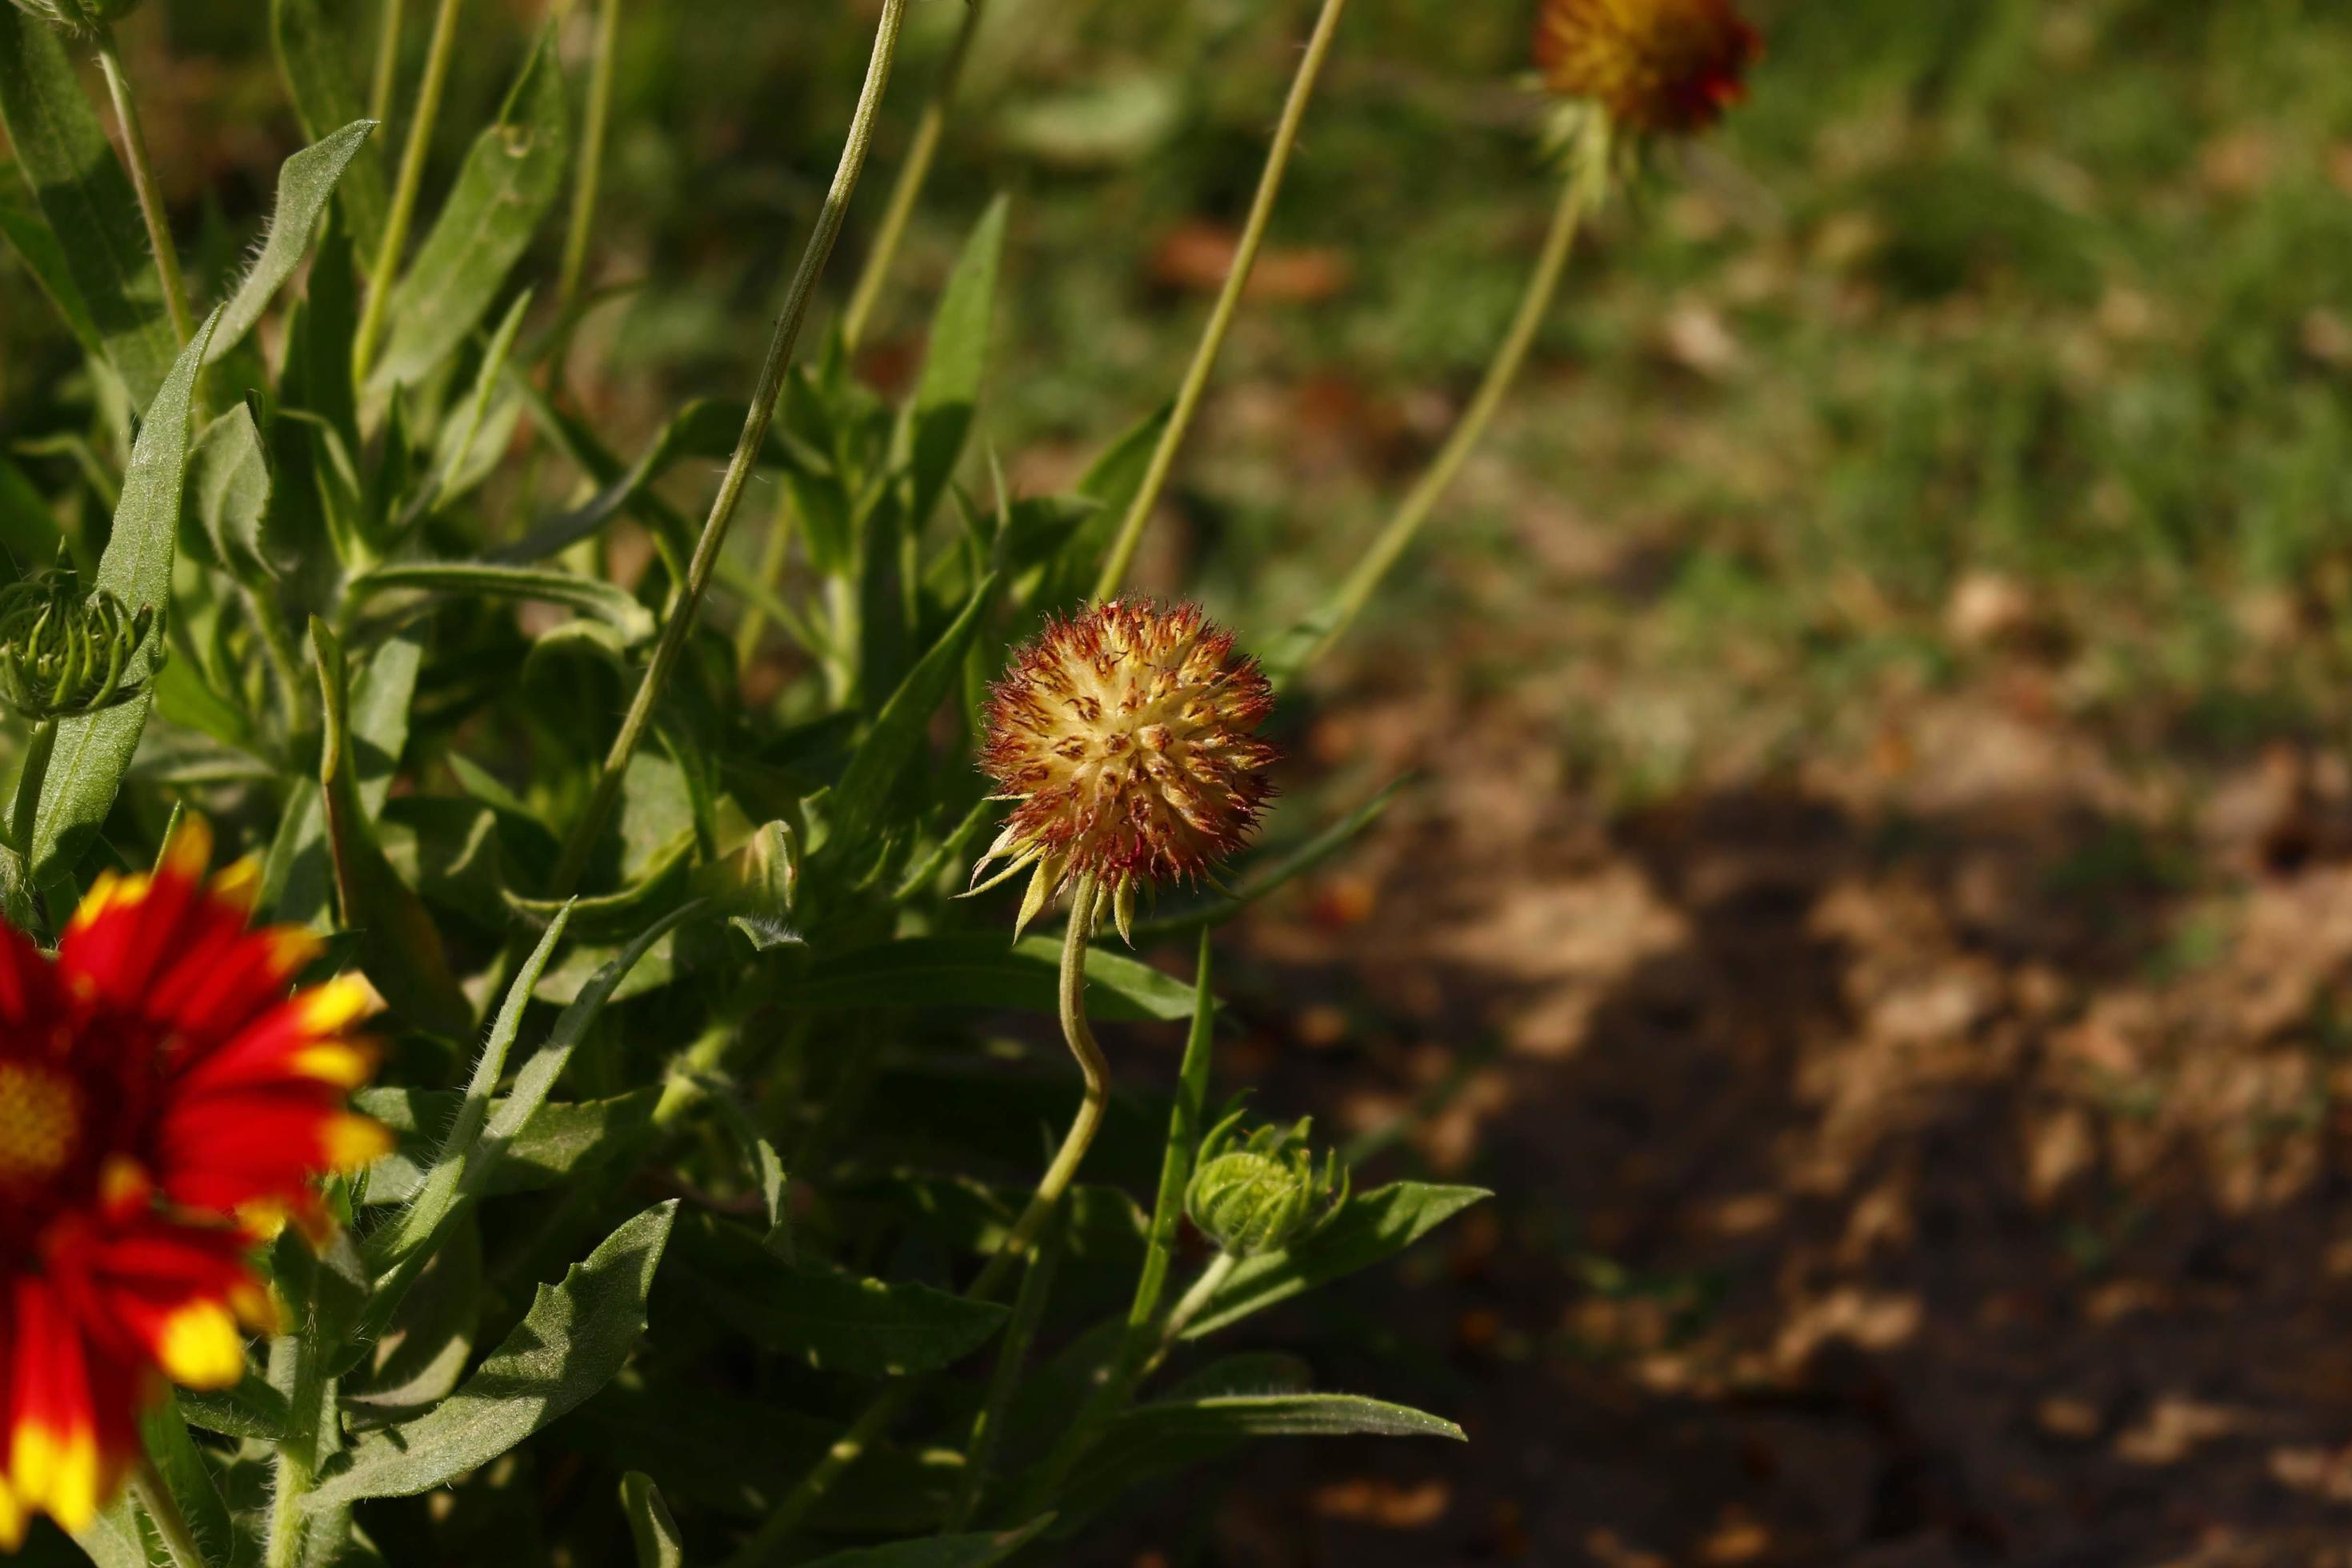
(63, 652)
(1266, 1192)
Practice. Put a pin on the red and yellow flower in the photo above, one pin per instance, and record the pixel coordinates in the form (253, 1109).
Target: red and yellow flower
(1658, 67)
(164, 1103)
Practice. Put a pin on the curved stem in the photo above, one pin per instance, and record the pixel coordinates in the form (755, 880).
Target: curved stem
(1221, 319)
(154, 1495)
(592, 135)
(387, 62)
(794, 1511)
(1580, 194)
(921, 153)
(688, 601)
(412, 154)
(142, 183)
(1080, 1036)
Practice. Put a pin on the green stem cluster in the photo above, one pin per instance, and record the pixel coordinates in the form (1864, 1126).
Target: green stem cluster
(405, 188)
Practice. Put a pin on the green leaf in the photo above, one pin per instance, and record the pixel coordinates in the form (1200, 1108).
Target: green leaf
(62, 149)
(1277, 1415)
(398, 1254)
(187, 1480)
(427, 1344)
(94, 751)
(949, 393)
(587, 594)
(565, 1139)
(655, 1532)
(831, 1321)
(251, 1409)
(311, 58)
(983, 971)
(304, 183)
(1374, 1226)
(573, 1340)
(510, 178)
(399, 946)
(984, 1550)
(890, 748)
(228, 478)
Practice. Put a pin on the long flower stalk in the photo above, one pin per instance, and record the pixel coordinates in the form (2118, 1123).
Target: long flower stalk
(687, 603)
(144, 183)
(594, 132)
(387, 61)
(1221, 319)
(1581, 193)
(405, 187)
(922, 152)
(163, 1509)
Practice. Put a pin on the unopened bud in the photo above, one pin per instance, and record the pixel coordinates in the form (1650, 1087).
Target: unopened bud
(63, 652)
(1264, 1192)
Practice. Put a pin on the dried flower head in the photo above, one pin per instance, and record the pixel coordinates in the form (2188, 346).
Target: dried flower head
(63, 652)
(1658, 67)
(79, 16)
(164, 1102)
(1127, 735)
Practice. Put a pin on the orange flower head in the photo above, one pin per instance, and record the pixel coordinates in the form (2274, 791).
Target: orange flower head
(1127, 736)
(163, 1098)
(1658, 67)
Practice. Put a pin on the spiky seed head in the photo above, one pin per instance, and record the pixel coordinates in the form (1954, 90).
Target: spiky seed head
(63, 652)
(1126, 736)
(1659, 66)
(1264, 1192)
(78, 17)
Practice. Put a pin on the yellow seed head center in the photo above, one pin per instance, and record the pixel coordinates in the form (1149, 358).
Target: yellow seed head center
(40, 1122)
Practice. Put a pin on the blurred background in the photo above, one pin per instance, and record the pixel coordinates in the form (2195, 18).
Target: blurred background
(1874, 889)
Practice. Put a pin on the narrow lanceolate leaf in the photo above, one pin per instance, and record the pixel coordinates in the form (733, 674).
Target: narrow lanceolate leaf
(1278, 1416)
(509, 180)
(984, 1550)
(399, 947)
(62, 149)
(229, 479)
(566, 1139)
(651, 1529)
(24, 227)
(94, 751)
(587, 594)
(982, 971)
(318, 78)
(575, 1337)
(304, 184)
(890, 748)
(949, 393)
(1374, 1226)
(830, 1320)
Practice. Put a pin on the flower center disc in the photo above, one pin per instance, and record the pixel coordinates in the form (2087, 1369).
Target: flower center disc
(40, 1123)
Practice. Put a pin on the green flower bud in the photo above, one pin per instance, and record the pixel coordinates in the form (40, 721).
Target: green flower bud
(63, 652)
(1265, 1191)
(79, 16)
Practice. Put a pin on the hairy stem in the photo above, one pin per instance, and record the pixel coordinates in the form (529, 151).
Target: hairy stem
(410, 180)
(1221, 319)
(922, 152)
(142, 183)
(687, 601)
(594, 134)
(154, 1495)
(1579, 195)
